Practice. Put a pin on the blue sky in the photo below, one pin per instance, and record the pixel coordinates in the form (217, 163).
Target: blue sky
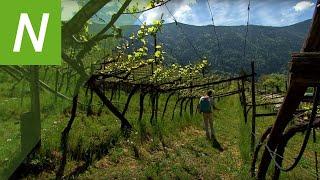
(226, 12)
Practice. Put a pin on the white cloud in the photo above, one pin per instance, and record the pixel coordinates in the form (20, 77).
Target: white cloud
(233, 12)
(225, 13)
(183, 13)
(303, 5)
(69, 8)
(150, 16)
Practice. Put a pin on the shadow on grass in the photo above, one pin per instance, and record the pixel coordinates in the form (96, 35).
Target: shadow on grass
(37, 164)
(91, 155)
(217, 145)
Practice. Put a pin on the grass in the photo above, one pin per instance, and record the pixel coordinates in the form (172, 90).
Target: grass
(189, 155)
(305, 168)
(186, 154)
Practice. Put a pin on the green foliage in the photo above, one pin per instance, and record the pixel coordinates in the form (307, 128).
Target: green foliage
(138, 5)
(273, 82)
(135, 54)
(270, 47)
(190, 155)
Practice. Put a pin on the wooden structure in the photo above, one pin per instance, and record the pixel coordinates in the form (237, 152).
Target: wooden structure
(304, 73)
(30, 127)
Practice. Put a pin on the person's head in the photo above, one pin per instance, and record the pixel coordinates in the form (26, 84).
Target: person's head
(209, 93)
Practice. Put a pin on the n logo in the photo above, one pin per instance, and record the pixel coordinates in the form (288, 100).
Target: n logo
(31, 34)
(25, 23)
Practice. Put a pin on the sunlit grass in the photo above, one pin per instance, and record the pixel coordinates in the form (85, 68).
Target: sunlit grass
(185, 154)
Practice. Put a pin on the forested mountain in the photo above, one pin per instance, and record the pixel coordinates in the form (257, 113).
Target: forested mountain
(270, 47)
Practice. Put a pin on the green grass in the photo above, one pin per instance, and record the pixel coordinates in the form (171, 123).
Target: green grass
(186, 155)
(189, 154)
(305, 168)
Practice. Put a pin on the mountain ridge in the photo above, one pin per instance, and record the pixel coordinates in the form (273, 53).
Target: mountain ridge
(270, 47)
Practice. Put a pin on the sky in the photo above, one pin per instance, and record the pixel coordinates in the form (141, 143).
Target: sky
(225, 12)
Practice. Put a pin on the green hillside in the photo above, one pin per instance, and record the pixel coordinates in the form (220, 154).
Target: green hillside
(270, 47)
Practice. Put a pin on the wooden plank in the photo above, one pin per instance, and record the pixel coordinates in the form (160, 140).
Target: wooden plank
(306, 65)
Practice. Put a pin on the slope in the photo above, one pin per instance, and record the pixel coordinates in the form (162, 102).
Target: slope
(270, 47)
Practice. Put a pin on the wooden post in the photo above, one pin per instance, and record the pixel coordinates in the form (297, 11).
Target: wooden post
(35, 101)
(295, 94)
(155, 104)
(56, 85)
(240, 94)
(119, 94)
(155, 50)
(315, 153)
(244, 100)
(191, 92)
(30, 122)
(27, 133)
(253, 122)
(156, 108)
(191, 106)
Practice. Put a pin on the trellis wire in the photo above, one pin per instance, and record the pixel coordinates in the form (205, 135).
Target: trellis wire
(196, 51)
(273, 154)
(215, 31)
(247, 31)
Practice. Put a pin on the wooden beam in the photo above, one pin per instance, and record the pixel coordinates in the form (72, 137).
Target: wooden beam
(78, 21)
(211, 83)
(312, 42)
(295, 94)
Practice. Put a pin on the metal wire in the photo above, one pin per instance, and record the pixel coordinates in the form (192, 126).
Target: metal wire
(274, 154)
(215, 31)
(305, 141)
(246, 34)
(196, 51)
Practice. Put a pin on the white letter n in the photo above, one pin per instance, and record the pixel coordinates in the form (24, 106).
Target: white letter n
(36, 42)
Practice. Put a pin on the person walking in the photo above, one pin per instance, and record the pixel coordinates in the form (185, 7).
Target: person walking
(206, 106)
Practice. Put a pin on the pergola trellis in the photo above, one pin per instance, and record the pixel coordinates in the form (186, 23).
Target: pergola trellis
(304, 73)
